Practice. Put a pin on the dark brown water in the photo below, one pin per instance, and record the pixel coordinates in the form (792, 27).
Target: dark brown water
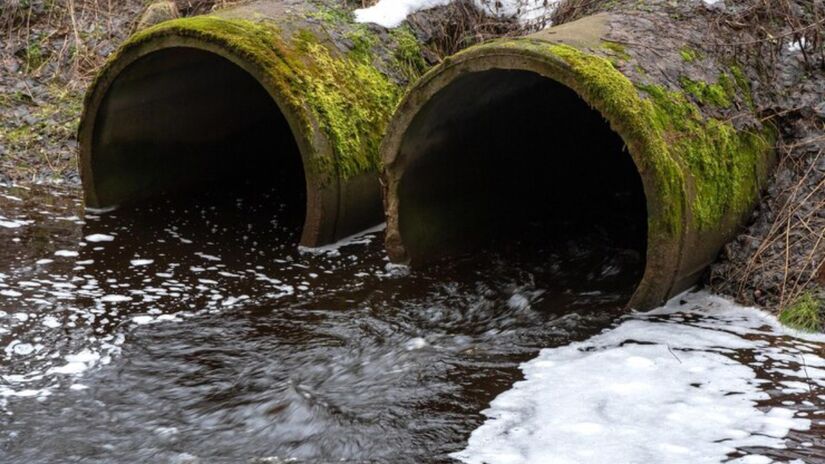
(196, 329)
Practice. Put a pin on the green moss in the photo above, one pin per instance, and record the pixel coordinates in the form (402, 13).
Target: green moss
(363, 42)
(744, 85)
(600, 82)
(331, 15)
(721, 159)
(670, 138)
(618, 49)
(805, 313)
(708, 94)
(353, 101)
(408, 54)
(688, 54)
(345, 96)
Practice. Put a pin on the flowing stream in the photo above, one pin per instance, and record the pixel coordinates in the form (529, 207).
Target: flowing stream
(194, 331)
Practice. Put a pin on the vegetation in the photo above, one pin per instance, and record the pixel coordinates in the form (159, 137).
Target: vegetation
(805, 313)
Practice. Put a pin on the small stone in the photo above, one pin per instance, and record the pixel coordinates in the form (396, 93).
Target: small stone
(157, 13)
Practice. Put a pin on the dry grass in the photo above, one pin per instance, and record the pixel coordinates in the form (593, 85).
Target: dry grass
(797, 223)
(764, 28)
(460, 24)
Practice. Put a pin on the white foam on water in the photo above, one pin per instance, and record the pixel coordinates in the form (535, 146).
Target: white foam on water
(115, 298)
(142, 320)
(10, 197)
(95, 238)
(50, 322)
(207, 257)
(650, 390)
(13, 223)
(97, 211)
(77, 363)
(361, 238)
(66, 253)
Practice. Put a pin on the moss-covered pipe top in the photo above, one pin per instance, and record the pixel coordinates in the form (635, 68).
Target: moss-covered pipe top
(686, 118)
(336, 83)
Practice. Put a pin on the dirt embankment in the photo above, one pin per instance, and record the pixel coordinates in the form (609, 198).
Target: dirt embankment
(48, 53)
(50, 50)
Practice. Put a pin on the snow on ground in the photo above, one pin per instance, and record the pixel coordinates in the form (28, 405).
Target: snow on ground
(391, 13)
(665, 386)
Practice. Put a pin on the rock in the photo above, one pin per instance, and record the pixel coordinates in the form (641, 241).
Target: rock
(156, 13)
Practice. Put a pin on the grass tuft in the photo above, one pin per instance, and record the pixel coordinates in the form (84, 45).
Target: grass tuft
(805, 313)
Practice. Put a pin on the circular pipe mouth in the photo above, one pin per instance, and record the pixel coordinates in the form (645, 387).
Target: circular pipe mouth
(500, 136)
(176, 113)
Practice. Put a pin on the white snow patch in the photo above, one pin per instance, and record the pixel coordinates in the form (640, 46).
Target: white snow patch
(391, 13)
(649, 390)
(141, 262)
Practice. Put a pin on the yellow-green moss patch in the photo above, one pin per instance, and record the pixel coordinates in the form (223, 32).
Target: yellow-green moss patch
(709, 94)
(601, 85)
(344, 94)
(670, 137)
(720, 158)
(688, 54)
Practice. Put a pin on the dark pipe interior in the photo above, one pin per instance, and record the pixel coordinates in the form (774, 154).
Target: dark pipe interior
(186, 120)
(502, 157)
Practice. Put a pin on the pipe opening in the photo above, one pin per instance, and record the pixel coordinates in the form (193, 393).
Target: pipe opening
(512, 160)
(184, 120)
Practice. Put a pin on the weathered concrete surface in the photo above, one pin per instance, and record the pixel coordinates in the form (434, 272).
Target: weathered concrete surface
(687, 120)
(334, 83)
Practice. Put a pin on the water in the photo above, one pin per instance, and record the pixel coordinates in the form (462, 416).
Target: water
(195, 331)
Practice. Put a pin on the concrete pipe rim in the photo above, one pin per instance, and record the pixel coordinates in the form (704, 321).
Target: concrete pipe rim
(664, 247)
(320, 190)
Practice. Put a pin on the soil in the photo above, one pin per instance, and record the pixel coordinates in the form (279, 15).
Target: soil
(50, 50)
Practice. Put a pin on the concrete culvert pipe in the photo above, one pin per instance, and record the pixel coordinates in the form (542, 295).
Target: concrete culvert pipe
(290, 92)
(569, 123)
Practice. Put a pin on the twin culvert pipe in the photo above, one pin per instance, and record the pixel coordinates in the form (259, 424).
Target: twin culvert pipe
(342, 110)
